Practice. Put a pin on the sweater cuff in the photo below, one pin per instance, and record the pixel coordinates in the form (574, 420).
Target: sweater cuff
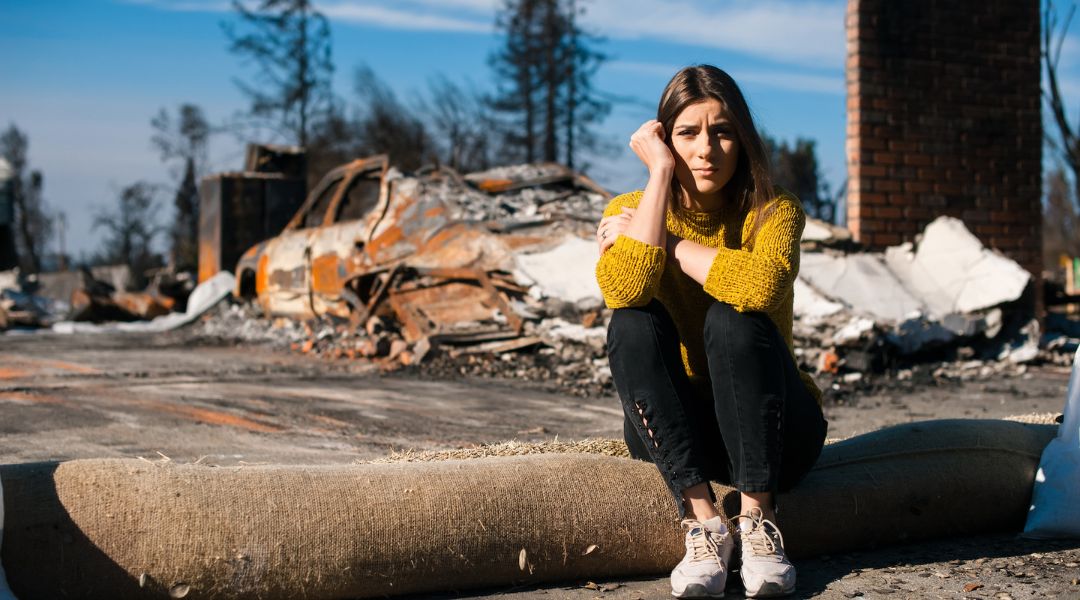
(731, 279)
(629, 272)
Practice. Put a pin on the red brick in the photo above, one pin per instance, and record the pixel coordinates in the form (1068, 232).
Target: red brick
(886, 158)
(903, 146)
(871, 171)
(886, 185)
(917, 212)
(887, 239)
(918, 159)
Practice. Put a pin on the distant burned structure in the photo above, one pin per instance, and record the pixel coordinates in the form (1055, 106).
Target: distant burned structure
(944, 119)
(8, 258)
(237, 210)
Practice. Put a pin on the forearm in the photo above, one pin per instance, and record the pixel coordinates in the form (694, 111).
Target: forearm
(690, 257)
(649, 224)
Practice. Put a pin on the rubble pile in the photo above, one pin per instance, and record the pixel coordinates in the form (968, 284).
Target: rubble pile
(553, 353)
(945, 299)
(492, 274)
(531, 194)
(100, 294)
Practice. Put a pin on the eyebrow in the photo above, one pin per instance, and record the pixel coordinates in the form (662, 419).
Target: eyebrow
(720, 123)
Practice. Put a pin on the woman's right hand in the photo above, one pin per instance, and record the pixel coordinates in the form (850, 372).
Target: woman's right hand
(648, 144)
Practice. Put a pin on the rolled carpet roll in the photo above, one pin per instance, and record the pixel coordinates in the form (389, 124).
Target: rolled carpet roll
(129, 529)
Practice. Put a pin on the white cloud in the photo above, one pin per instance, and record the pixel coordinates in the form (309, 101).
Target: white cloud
(394, 18)
(801, 32)
(787, 80)
(787, 31)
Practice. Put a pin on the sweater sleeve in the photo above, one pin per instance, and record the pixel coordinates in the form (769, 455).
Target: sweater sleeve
(629, 271)
(760, 279)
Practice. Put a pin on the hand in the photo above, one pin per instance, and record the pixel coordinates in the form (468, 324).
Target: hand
(611, 227)
(648, 144)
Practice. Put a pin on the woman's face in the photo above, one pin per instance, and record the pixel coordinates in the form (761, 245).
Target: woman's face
(706, 150)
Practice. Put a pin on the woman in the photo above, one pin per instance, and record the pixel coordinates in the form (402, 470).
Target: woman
(699, 269)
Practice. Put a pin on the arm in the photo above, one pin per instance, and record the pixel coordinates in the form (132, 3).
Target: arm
(629, 270)
(755, 280)
(632, 242)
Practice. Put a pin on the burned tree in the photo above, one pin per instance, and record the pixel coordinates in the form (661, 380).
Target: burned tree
(795, 168)
(545, 70)
(1062, 201)
(385, 125)
(1061, 220)
(33, 225)
(130, 228)
(289, 43)
(462, 124)
(182, 142)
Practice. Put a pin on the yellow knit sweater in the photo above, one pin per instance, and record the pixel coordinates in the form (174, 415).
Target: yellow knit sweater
(758, 278)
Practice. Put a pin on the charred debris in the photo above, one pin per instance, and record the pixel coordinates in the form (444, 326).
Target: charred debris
(491, 274)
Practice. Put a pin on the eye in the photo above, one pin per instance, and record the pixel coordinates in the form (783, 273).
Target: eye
(686, 132)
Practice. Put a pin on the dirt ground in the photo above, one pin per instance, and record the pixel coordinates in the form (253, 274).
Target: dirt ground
(65, 397)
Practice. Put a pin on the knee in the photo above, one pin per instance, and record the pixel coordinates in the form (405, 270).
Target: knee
(729, 330)
(636, 328)
(628, 327)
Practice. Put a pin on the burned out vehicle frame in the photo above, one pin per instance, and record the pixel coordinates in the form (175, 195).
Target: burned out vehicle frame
(368, 241)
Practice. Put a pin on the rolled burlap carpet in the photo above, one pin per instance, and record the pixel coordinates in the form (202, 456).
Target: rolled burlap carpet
(129, 529)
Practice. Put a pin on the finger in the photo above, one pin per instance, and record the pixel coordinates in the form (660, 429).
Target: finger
(629, 211)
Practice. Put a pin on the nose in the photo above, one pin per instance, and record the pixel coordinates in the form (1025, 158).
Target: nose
(705, 146)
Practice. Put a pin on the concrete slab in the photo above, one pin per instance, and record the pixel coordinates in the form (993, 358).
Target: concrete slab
(951, 271)
(810, 305)
(566, 272)
(862, 281)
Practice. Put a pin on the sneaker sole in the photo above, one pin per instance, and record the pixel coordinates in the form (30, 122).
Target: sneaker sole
(696, 590)
(770, 590)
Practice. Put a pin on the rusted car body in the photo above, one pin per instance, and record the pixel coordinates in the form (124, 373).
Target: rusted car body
(367, 239)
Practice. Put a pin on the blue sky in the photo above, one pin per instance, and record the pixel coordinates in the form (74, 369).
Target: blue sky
(84, 77)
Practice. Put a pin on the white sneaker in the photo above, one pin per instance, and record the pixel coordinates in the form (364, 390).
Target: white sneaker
(702, 573)
(766, 571)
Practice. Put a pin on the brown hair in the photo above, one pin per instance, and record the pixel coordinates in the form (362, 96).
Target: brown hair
(751, 184)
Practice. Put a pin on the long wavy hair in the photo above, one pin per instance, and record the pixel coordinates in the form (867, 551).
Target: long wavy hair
(751, 186)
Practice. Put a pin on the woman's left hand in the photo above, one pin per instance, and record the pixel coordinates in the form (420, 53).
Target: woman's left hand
(611, 227)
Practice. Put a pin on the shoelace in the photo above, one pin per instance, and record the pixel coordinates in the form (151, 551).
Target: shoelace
(702, 547)
(760, 539)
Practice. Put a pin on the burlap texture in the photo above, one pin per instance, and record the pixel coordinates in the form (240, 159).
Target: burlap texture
(919, 481)
(95, 528)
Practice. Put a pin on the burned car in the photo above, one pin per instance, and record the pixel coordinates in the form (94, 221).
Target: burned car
(368, 240)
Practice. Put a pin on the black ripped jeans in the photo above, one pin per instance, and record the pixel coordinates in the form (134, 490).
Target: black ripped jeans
(761, 431)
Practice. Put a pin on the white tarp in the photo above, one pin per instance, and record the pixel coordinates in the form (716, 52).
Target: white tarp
(1055, 512)
(202, 299)
(566, 272)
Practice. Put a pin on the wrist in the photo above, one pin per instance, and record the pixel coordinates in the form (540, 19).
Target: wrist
(662, 173)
